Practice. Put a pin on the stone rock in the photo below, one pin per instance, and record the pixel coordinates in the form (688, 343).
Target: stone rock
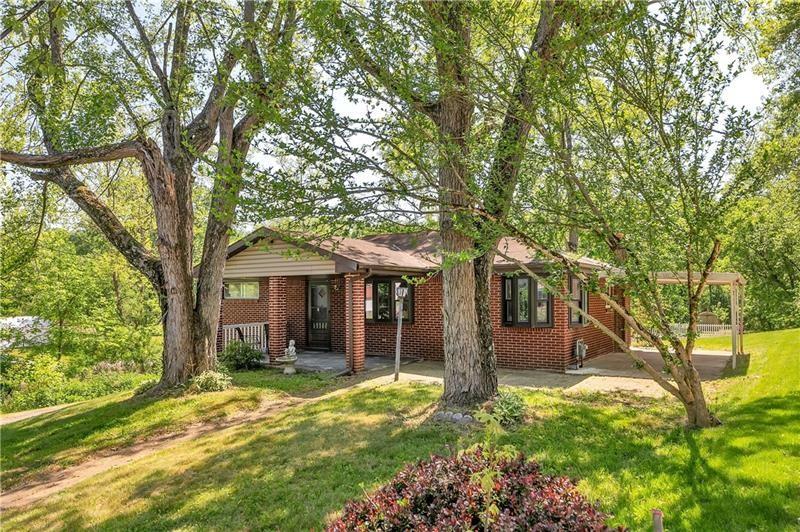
(466, 419)
(457, 417)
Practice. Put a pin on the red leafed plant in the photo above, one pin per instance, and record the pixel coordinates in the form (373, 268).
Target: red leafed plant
(479, 489)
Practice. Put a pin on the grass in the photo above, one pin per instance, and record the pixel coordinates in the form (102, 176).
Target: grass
(295, 469)
(68, 436)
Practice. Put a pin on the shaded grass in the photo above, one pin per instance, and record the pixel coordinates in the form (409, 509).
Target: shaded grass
(68, 436)
(295, 469)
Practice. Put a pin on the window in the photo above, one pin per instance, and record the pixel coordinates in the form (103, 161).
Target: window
(525, 303)
(579, 296)
(381, 304)
(240, 289)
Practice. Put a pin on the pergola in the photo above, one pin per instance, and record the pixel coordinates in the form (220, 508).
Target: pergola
(736, 282)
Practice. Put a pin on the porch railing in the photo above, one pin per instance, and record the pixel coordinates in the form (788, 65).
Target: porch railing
(255, 334)
(703, 329)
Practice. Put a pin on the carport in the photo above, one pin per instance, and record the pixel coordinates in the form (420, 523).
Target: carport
(736, 282)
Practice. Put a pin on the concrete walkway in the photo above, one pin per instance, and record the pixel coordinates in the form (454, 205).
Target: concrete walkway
(431, 372)
(337, 363)
(710, 364)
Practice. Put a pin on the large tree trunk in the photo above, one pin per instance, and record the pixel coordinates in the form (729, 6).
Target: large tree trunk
(484, 267)
(465, 380)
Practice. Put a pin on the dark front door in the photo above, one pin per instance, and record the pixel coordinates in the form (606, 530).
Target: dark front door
(319, 297)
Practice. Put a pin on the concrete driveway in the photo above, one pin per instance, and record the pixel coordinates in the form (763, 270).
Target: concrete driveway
(710, 364)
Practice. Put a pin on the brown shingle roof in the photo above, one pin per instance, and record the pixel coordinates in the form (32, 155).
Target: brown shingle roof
(401, 251)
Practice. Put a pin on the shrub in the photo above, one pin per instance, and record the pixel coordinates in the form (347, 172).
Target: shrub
(508, 409)
(476, 490)
(210, 381)
(34, 381)
(241, 355)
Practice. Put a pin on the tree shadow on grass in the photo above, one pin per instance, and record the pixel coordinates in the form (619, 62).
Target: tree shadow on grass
(68, 435)
(295, 469)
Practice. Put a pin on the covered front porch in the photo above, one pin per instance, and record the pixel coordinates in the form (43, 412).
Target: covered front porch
(323, 314)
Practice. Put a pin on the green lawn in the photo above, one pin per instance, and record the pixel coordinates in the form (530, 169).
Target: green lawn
(69, 435)
(295, 469)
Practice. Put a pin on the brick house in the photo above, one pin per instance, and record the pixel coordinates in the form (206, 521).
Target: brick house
(340, 296)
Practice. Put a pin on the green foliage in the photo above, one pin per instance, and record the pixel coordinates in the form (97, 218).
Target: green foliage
(508, 408)
(97, 308)
(210, 381)
(34, 381)
(241, 355)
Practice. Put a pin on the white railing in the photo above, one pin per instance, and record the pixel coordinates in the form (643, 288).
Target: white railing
(703, 329)
(255, 334)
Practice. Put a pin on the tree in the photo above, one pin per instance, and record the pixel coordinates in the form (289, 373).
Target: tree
(647, 163)
(99, 90)
(450, 90)
(766, 227)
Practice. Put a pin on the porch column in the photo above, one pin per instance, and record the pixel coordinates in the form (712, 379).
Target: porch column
(734, 323)
(354, 322)
(277, 317)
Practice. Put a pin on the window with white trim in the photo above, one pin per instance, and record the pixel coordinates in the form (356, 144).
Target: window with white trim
(240, 289)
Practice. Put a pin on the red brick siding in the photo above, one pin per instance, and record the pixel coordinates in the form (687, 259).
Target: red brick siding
(337, 314)
(422, 337)
(233, 311)
(355, 321)
(598, 342)
(277, 317)
(296, 310)
(526, 347)
(516, 347)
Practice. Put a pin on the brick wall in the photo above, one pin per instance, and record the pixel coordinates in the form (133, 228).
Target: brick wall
(526, 347)
(355, 331)
(233, 311)
(296, 310)
(598, 342)
(337, 314)
(422, 337)
(516, 347)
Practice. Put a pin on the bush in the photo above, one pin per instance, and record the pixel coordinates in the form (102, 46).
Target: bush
(37, 381)
(508, 409)
(210, 381)
(241, 355)
(32, 383)
(477, 490)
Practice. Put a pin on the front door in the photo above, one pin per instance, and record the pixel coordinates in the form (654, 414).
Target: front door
(319, 297)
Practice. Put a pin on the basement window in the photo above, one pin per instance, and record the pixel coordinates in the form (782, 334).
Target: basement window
(240, 289)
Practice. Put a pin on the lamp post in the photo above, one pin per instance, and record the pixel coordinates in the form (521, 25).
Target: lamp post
(400, 293)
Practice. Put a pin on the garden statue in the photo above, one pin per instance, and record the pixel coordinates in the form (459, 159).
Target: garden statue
(288, 359)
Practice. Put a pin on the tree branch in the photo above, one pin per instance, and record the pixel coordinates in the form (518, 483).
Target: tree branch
(94, 154)
(151, 54)
(135, 253)
(382, 75)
